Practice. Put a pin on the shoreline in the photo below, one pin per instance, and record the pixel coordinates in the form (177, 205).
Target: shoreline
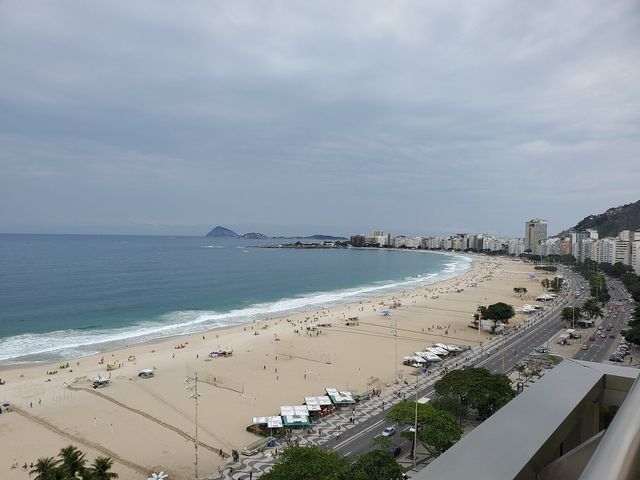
(275, 361)
(391, 287)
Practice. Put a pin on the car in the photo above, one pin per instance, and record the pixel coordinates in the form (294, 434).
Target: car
(389, 431)
(603, 335)
(611, 335)
(615, 358)
(585, 346)
(600, 328)
(592, 338)
(395, 451)
(541, 350)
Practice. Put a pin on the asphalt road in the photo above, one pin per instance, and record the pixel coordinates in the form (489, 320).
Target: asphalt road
(511, 349)
(599, 350)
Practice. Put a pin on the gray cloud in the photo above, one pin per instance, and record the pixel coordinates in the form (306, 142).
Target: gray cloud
(414, 116)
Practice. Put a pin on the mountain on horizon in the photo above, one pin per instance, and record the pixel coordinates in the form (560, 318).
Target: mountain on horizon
(611, 222)
(221, 232)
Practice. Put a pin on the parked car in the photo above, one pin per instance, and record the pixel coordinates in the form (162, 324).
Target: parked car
(585, 346)
(603, 335)
(395, 451)
(615, 358)
(541, 350)
(611, 335)
(389, 431)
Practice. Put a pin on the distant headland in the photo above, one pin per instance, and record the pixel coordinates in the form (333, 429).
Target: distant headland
(222, 232)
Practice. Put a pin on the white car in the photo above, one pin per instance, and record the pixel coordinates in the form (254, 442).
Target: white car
(389, 431)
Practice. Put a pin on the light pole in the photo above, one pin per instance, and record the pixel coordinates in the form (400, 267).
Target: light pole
(192, 390)
(395, 360)
(415, 422)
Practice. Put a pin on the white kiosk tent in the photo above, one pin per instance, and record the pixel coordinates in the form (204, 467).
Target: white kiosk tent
(315, 404)
(429, 356)
(274, 421)
(414, 361)
(340, 398)
(294, 416)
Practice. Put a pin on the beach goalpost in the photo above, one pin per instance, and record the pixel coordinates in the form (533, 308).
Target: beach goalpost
(290, 354)
(227, 383)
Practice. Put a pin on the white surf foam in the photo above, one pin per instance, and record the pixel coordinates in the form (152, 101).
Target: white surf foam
(76, 343)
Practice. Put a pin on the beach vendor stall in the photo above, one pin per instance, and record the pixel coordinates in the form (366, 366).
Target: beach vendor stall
(266, 425)
(340, 399)
(295, 416)
(414, 361)
(319, 406)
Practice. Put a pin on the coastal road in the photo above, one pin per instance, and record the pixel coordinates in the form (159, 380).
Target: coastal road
(617, 312)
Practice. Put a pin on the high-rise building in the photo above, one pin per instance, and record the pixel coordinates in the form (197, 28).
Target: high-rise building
(535, 230)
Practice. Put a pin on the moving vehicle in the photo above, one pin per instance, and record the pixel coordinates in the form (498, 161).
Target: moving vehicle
(100, 382)
(389, 432)
(146, 373)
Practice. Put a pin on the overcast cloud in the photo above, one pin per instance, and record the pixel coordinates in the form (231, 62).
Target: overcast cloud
(332, 117)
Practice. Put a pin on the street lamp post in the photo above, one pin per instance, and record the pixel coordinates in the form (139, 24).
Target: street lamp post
(415, 422)
(192, 390)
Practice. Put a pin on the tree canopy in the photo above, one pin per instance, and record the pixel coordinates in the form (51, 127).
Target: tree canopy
(437, 429)
(375, 465)
(499, 312)
(569, 314)
(315, 463)
(70, 465)
(477, 389)
(308, 463)
(440, 432)
(592, 308)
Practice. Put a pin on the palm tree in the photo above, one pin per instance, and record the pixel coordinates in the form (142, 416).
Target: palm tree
(570, 314)
(73, 461)
(100, 469)
(592, 308)
(46, 468)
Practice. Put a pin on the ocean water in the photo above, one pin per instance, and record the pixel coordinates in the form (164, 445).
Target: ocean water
(65, 296)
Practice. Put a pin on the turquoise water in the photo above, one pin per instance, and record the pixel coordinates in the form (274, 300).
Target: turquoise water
(72, 295)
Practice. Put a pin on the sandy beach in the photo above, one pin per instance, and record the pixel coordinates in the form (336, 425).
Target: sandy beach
(146, 424)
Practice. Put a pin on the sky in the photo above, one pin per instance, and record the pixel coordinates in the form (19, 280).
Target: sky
(171, 117)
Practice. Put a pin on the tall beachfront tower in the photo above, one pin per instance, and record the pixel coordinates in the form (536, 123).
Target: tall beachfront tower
(535, 230)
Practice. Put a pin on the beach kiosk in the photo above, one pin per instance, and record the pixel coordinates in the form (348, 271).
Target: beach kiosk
(266, 425)
(318, 406)
(340, 399)
(295, 416)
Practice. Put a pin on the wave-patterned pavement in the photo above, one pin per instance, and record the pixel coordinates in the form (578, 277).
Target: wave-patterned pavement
(334, 425)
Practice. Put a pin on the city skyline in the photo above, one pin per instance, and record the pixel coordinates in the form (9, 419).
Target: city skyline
(441, 117)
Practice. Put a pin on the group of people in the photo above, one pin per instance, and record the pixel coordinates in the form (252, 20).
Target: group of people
(25, 467)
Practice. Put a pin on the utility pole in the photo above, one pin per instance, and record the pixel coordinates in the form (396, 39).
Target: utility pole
(415, 422)
(192, 390)
(395, 360)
